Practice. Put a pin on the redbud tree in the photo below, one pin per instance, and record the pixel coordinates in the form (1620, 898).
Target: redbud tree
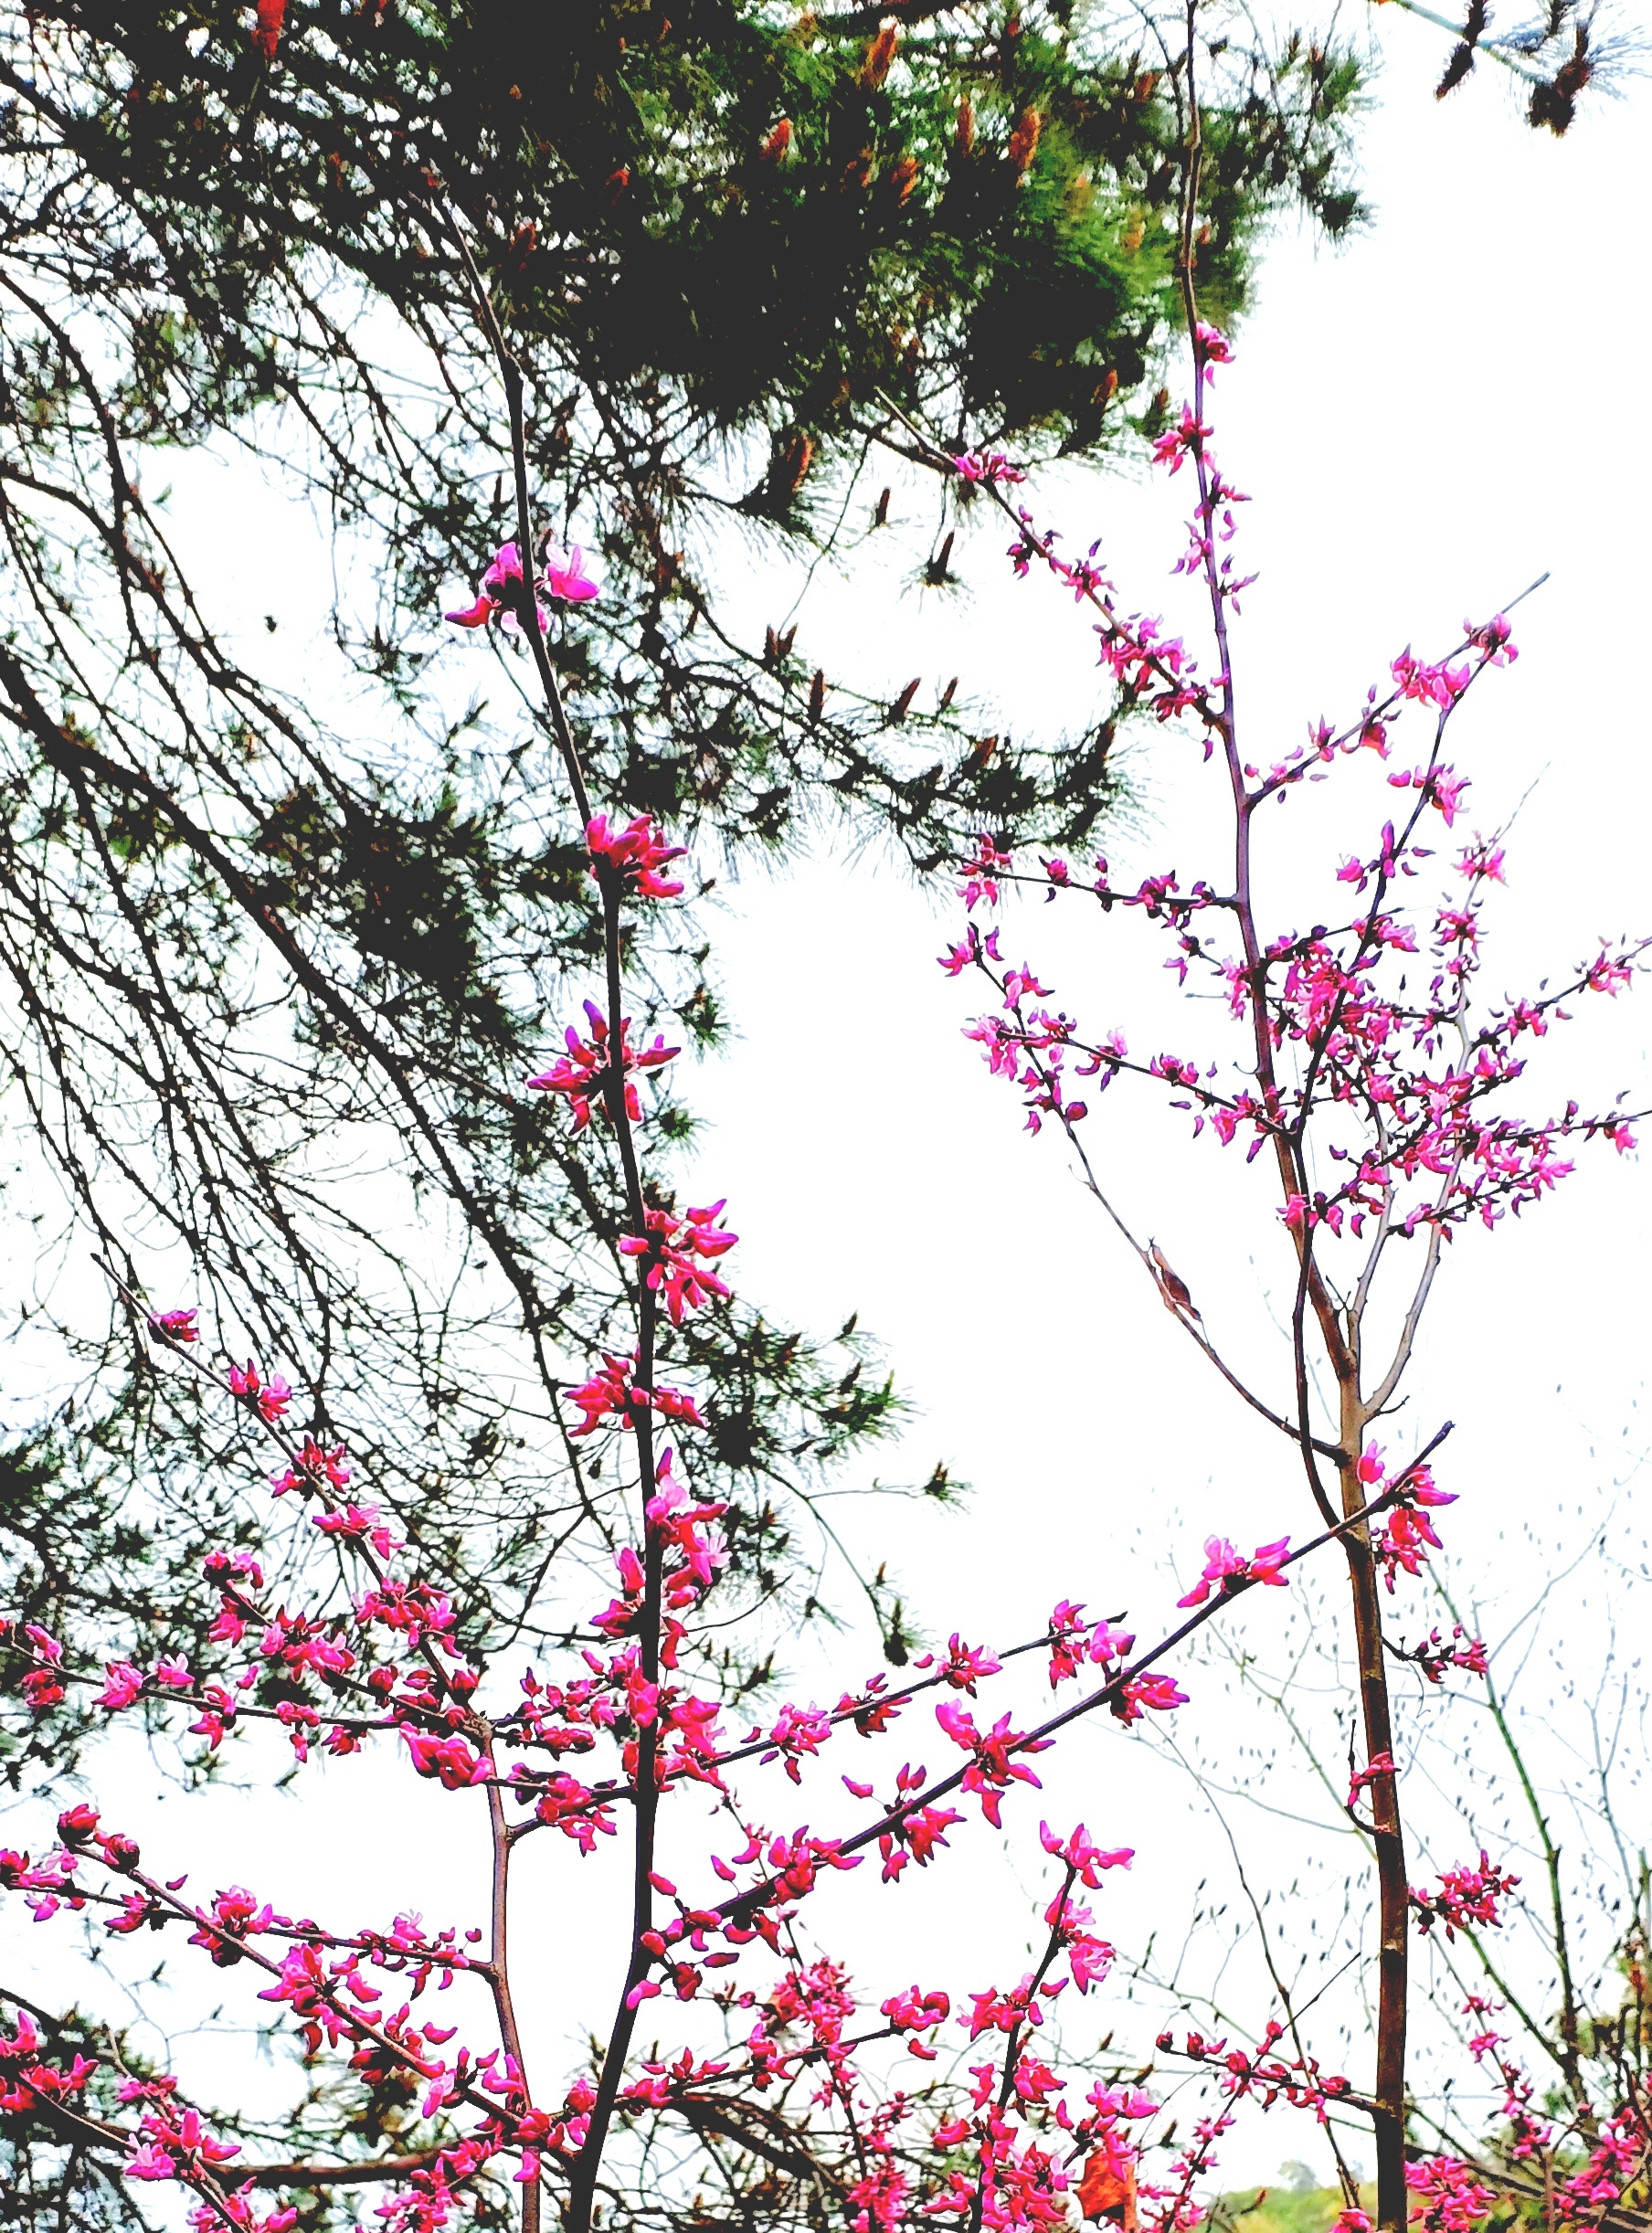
(752, 2066)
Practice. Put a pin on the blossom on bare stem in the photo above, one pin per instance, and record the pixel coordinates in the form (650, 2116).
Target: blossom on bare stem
(271, 1399)
(582, 1074)
(1230, 1570)
(636, 853)
(563, 577)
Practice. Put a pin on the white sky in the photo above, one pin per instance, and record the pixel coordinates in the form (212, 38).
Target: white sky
(1427, 421)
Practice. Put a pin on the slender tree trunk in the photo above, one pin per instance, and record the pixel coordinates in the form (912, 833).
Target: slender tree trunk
(1393, 1902)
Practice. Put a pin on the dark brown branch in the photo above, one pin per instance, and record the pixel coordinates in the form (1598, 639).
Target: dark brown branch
(329, 2175)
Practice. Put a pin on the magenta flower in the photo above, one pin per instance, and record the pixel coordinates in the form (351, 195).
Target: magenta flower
(121, 1687)
(1220, 1560)
(268, 1398)
(175, 1325)
(966, 1665)
(584, 1071)
(687, 1528)
(1227, 1569)
(476, 614)
(499, 587)
(502, 576)
(636, 851)
(1182, 440)
(1084, 1858)
(612, 1393)
(564, 578)
(986, 467)
(1438, 685)
(450, 1760)
(669, 1249)
(1435, 1656)
(1463, 1897)
(1160, 1693)
(1452, 2199)
(149, 2162)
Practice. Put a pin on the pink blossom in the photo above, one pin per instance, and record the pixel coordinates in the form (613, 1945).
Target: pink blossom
(1434, 1656)
(270, 1399)
(1464, 1897)
(1438, 685)
(982, 873)
(685, 1526)
(635, 852)
(149, 2162)
(122, 1683)
(668, 1251)
(1444, 791)
(612, 1393)
(500, 585)
(583, 1073)
(175, 1325)
(314, 1468)
(915, 2010)
(1403, 1544)
(359, 1523)
(966, 1665)
(450, 1760)
(1084, 1858)
(987, 468)
(1452, 2200)
(1227, 1569)
(566, 578)
(1493, 641)
(1482, 858)
(1380, 1765)
(1157, 1692)
(992, 1769)
(1172, 448)
(506, 571)
(476, 614)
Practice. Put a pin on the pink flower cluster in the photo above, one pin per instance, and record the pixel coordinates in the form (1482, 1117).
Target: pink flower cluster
(1464, 1898)
(1228, 1570)
(583, 1073)
(636, 854)
(175, 1325)
(673, 1253)
(1450, 2197)
(988, 468)
(1434, 1654)
(562, 577)
(613, 1393)
(1402, 1542)
(1262, 2074)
